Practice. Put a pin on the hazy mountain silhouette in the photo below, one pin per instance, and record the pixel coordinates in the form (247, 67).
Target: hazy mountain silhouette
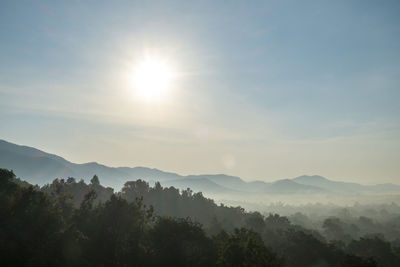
(287, 186)
(344, 187)
(232, 182)
(39, 167)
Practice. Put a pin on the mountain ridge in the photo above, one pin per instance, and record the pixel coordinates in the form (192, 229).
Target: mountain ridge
(40, 167)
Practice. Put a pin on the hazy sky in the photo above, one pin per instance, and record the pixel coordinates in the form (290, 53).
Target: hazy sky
(263, 89)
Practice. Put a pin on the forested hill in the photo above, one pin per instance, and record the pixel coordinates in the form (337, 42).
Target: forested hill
(39, 167)
(70, 223)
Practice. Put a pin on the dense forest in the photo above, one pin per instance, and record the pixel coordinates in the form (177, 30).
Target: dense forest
(70, 223)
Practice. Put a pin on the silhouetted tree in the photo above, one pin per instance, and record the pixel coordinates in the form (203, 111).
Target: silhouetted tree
(354, 261)
(76, 224)
(375, 247)
(95, 180)
(244, 248)
(180, 242)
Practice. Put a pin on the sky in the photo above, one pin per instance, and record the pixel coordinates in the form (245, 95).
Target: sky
(263, 90)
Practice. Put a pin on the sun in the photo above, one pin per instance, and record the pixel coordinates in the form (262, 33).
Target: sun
(152, 79)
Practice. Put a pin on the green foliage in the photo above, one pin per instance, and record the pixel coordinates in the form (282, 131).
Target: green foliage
(180, 242)
(335, 229)
(76, 192)
(69, 223)
(374, 247)
(95, 180)
(44, 228)
(30, 225)
(115, 232)
(255, 221)
(244, 248)
(171, 202)
(354, 261)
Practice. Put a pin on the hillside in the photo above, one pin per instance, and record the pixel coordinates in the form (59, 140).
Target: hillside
(39, 167)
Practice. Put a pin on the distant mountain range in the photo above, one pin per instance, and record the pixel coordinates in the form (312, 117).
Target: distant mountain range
(38, 167)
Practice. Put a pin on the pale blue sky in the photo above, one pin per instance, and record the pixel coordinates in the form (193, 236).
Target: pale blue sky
(266, 89)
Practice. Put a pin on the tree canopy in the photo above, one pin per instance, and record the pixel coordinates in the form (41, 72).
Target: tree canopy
(69, 223)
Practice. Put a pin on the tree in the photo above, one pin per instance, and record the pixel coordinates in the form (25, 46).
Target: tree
(375, 247)
(95, 180)
(255, 221)
(180, 242)
(30, 225)
(354, 261)
(71, 180)
(244, 248)
(115, 232)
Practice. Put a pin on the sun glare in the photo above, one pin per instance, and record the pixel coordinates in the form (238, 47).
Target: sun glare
(152, 79)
